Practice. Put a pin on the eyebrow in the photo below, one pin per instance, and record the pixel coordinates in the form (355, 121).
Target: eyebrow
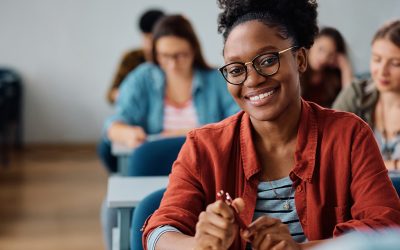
(380, 55)
(265, 49)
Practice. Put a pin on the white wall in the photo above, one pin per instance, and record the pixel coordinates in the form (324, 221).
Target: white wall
(67, 51)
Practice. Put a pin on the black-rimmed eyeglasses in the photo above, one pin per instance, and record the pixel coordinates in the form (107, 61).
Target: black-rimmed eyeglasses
(265, 64)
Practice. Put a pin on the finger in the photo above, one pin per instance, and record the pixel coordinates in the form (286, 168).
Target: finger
(261, 223)
(222, 209)
(262, 240)
(282, 245)
(275, 239)
(238, 204)
(214, 225)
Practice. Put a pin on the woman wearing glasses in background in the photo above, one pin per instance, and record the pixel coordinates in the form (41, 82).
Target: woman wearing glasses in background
(171, 96)
(301, 173)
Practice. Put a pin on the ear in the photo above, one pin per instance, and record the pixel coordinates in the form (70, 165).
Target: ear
(301, 55)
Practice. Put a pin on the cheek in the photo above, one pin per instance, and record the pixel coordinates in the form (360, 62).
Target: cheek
(396, 75)
(235, 92)
(374, 68)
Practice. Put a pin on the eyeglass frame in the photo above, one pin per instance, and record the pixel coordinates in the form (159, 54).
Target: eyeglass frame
(275, 53)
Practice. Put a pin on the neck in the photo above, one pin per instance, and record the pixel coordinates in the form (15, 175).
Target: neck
(280, 132)
(390, 100)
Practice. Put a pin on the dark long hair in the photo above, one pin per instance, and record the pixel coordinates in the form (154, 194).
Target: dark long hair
(391, 31)
(177, 25)
(335, 35)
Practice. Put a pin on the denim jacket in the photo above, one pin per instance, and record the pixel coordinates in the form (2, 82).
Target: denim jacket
(141, 98)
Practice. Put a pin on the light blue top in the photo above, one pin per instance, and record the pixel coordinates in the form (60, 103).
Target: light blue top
(141, 98)
(390, 149)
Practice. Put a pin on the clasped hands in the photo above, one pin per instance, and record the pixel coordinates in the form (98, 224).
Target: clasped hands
(216, 229)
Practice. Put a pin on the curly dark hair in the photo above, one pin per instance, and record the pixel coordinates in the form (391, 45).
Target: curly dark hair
(295, 19)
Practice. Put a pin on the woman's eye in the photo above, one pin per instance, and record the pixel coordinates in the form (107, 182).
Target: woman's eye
(375, 59)
(234, 71)
(268, 61)
(396, 63)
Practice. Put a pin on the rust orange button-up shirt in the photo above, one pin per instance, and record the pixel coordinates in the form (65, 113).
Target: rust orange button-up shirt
(340, 179)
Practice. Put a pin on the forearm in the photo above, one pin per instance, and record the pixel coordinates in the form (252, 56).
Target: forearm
(175, 241)
(119, 132)
(347, 76)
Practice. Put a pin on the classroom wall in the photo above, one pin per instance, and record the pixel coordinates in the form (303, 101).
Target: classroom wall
(67, 52)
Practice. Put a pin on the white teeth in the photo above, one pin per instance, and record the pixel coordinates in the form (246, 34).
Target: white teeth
(261, 96)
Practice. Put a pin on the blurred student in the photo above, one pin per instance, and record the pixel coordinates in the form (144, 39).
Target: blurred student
(298, 173)
(133, 58)
(377, 100)
(176, 93)
(328, 68)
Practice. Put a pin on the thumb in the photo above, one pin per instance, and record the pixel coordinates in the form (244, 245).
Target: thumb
(238, 204)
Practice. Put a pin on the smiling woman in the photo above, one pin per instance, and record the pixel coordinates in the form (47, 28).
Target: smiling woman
(301, 173)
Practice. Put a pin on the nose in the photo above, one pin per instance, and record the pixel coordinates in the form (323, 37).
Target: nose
(384, 69)
(253, 77)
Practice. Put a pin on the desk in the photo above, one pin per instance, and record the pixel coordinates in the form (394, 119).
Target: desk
(124, 193)
(122, 153)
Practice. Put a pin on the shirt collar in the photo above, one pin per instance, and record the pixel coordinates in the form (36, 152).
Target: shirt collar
(305, 154)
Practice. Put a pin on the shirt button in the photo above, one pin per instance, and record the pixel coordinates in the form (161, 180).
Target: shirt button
(299, 188)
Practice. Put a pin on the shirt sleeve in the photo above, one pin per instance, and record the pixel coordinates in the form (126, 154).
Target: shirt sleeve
(131, 104)
(155, 235)
(345, 101)
(369, 178)
(184, 198)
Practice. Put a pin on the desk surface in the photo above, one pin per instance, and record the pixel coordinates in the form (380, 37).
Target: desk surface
(129, 191)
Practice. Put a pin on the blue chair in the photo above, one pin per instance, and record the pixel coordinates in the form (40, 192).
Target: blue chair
(155, 157)
(10, 111)
(142, 212)
(396, 182)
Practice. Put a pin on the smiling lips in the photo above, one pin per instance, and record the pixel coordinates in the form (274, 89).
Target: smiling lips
(260, 98)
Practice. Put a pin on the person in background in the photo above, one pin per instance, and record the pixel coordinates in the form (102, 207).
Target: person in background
(176, 93)
(133, 58)
(297, 173)
(377, 100)
(328, 68)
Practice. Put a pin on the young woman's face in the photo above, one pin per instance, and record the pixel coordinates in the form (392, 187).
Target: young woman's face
(175, 55)
(264, 98)
(385, 65)
(322, 54)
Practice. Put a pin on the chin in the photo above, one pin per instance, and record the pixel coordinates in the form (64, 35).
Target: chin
(264, 116)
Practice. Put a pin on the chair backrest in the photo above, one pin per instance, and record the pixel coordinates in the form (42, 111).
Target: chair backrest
(142, 212)
(155, 157)
(396, 183)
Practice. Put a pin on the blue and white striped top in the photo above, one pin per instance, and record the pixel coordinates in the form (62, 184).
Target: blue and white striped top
(269, 204)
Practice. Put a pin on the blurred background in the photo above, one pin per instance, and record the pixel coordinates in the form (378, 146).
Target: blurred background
(66, 53)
